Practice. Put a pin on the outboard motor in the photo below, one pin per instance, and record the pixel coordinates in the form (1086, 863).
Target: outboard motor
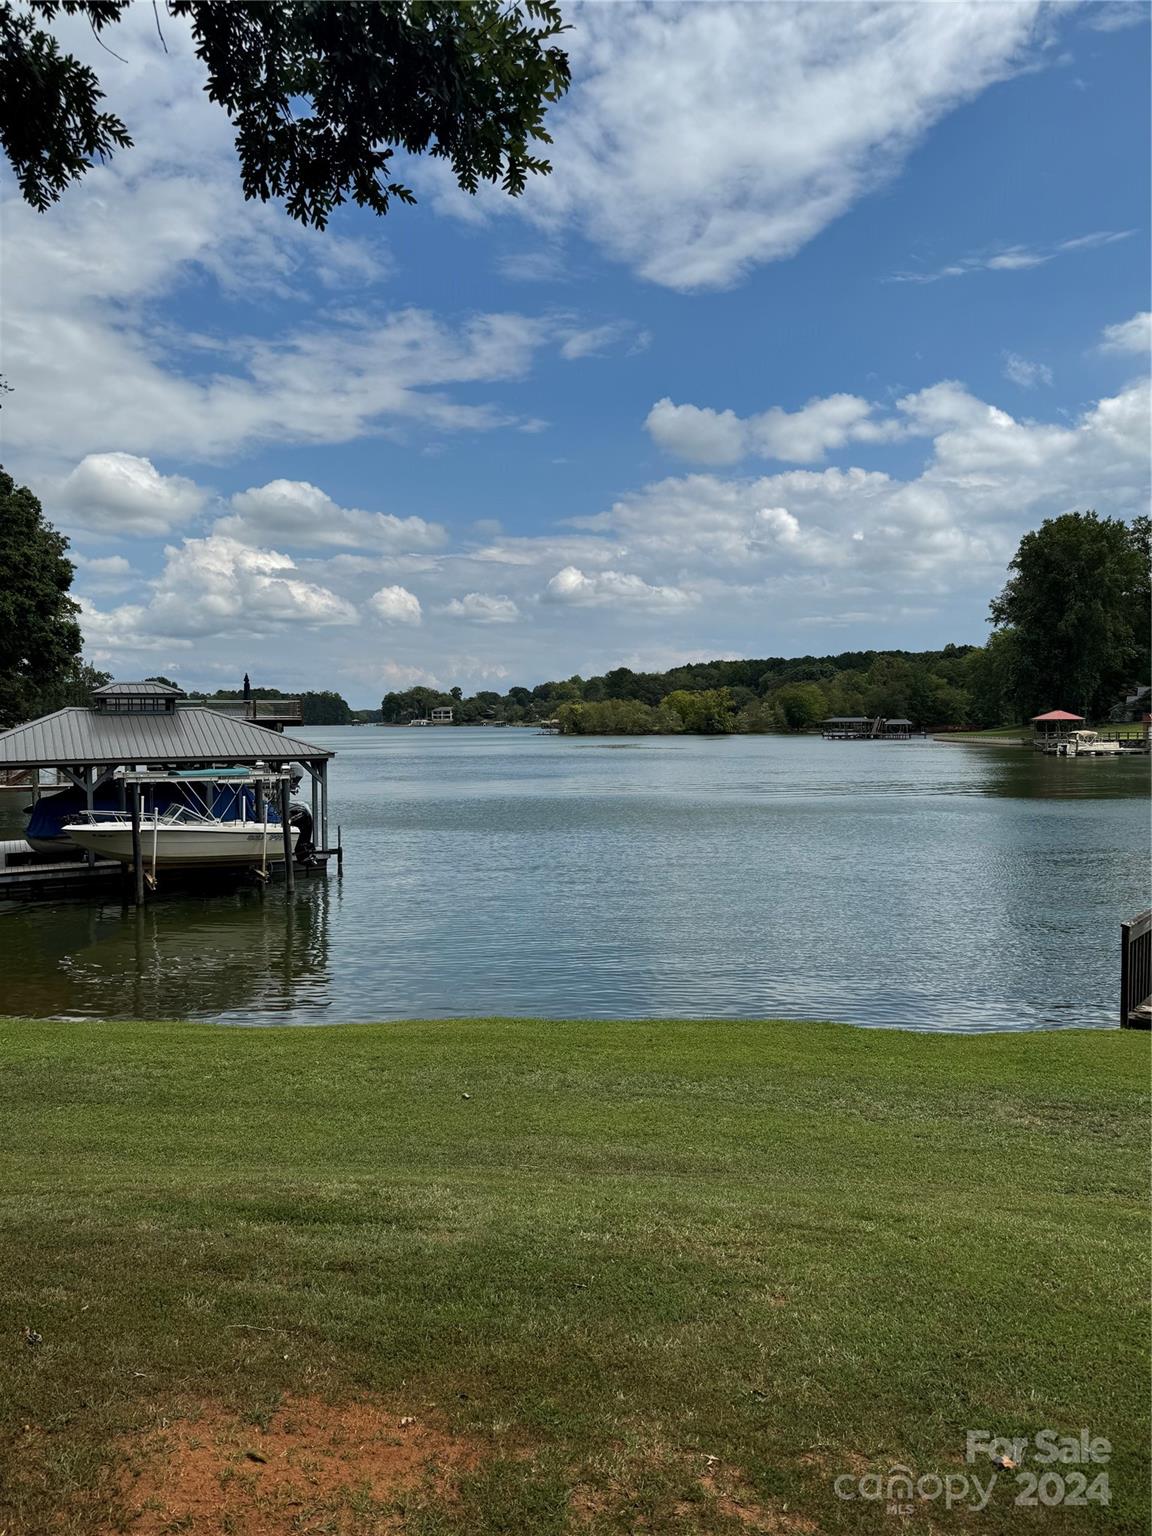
(300, 816)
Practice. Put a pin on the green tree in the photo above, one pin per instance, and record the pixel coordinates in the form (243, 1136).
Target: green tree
(73, 689)
(39, 635)
(801, 705)
(989, 673)
(609, 717)
(325, 708)
(707, 713)
(321, 95)
(758, 718)
(1077, 603)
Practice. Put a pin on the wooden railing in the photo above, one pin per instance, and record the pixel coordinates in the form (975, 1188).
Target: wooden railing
(1136, 972)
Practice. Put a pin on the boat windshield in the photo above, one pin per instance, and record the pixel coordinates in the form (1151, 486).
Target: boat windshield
(170, 816)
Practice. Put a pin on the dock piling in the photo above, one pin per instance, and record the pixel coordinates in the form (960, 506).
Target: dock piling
(137, 848)
(286, 832)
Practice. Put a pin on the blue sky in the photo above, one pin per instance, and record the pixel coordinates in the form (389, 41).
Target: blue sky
(822, 307)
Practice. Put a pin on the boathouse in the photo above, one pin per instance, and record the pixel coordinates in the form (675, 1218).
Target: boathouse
(1056, 725)
(149, 727)
(866, 728)
(846, 727)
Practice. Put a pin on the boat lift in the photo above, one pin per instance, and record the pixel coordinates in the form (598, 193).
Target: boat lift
(268, 784)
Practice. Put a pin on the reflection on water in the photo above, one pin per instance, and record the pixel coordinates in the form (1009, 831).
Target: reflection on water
(488, 872)
(240, 954)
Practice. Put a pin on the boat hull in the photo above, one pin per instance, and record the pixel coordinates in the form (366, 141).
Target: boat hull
(219, 844)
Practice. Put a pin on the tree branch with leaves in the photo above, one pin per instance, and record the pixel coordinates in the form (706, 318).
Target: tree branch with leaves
(322, 94)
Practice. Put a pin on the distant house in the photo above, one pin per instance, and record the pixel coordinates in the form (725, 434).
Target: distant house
(442, 715)
(1134, 706)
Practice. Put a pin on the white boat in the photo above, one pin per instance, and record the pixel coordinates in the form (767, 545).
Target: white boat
(180, 836)
(1083, 744)
(207, 817)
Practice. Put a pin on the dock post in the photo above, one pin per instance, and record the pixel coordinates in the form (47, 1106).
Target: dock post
(137, 849)
(339, 849)
(90, 802)
(286, 833)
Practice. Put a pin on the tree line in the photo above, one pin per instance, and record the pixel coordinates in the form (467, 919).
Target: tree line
(774, 693)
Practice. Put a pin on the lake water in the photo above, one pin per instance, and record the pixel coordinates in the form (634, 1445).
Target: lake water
(487, 872)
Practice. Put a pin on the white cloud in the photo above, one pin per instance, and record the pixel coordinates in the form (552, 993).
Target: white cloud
(113, 634)
(301, 514)
(482, 608)
(103, 573)
(1133, 335)
(1013, 258)
(702, 140)
(528, 551)
(697, 432)
(216, 588)
(1016, 260)
(396, 605)
(119, 493)
(616, 588)
(988, 477)
(216, 584)
(1018, 370)
(538, 266)
(705, 436)
(806, 435)
(398, 677)
(1115, 15)
(594, 341)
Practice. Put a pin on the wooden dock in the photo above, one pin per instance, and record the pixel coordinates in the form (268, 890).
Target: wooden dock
(28, 876)
(1136, 972)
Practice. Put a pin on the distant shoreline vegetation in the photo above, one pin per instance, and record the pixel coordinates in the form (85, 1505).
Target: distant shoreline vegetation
(933, 688)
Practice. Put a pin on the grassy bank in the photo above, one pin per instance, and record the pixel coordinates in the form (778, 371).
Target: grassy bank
(636, 1276)
(1009, 733)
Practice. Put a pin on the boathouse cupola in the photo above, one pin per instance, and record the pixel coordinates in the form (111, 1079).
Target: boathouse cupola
(146, 698)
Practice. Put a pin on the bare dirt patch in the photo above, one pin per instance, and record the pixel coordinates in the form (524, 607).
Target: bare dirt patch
(730, 1497)
(345, 1469)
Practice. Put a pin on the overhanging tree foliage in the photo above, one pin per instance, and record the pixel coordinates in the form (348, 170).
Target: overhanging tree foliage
(322, 93)
(39, 635)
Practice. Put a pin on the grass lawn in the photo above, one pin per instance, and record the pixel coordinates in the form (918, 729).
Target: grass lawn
(621, 1277)
(1007, 732)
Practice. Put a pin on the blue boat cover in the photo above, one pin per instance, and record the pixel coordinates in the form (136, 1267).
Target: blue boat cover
(51, 811)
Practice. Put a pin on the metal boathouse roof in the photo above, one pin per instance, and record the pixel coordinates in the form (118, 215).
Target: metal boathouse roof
(148, 689)
(185, 737)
